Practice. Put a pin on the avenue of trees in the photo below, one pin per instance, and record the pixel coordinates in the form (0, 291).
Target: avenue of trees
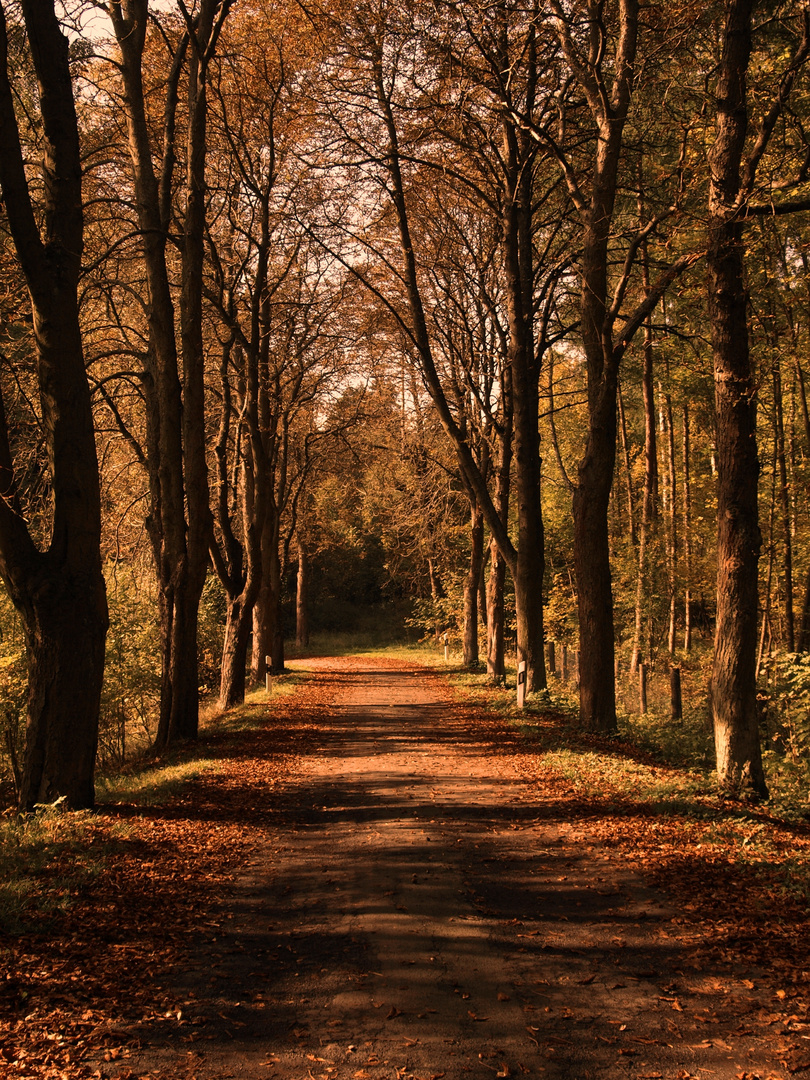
(499, 314)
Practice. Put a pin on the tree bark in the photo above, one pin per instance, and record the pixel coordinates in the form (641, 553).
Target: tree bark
(470, 657)
(60, 593)
(733, 683)
(672, 523)
(687, 533)
(179, 521)
(784, 502)
(608, 108)
(238, 626)
(649, 505)
(302, 597)
(628, 475)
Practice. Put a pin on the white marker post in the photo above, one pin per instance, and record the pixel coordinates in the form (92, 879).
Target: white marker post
(268, 678)
(521, 684)
(446, 640)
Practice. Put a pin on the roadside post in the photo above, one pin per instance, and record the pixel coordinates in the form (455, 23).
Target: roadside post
(446, 641)
(268, 678)
(521, 684)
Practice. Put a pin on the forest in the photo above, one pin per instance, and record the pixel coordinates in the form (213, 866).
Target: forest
(436, 317)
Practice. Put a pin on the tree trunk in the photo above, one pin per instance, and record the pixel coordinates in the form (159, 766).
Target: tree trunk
(234, 653)
(733, 682)
(470, 643)
(268, 631)
(592, 563)
(687, 535)
(525, 375)
(302, 597)
(649, 505)
(179, 522)
(60, 593)
(628, 475)
(766, 611)
(784, 501)
(672, 523)
(496, 660)
(595, 473)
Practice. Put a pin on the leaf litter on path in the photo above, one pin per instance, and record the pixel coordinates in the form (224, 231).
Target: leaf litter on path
(373, 842)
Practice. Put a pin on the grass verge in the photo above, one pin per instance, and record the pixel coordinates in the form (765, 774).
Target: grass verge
(48, 857)
(651, 790)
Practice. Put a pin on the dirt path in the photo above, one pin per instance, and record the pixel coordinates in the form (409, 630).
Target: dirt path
(411, 911)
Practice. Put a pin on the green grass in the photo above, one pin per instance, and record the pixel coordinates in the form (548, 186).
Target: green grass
(152, 784)
(46, 858)
(49, 856)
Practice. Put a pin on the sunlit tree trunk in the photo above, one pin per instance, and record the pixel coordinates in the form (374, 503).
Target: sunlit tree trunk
(733, 683)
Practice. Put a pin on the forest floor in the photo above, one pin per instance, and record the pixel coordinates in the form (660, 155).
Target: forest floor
(376, 881)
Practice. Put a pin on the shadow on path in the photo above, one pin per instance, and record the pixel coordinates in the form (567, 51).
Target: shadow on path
(413, 911)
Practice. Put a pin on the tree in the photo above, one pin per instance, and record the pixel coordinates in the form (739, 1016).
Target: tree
(733, 173)
(179, 522)
(600, 46)
(55, 583)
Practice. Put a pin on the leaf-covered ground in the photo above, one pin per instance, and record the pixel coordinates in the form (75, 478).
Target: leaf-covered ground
(410, 891)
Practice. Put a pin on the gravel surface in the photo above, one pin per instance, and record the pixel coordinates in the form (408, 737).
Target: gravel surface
(410, 910)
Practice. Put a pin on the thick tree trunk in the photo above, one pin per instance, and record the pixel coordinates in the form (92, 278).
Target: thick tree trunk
(733, 681)
(733, 686)
(180, 519)
(597, 691)
(65, 647)
(234, 653)
(525, 376)
(183, 715)
(595, 474)
(471, 584)
(60, 593)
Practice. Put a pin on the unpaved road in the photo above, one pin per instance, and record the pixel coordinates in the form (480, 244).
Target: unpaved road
(413, 912)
